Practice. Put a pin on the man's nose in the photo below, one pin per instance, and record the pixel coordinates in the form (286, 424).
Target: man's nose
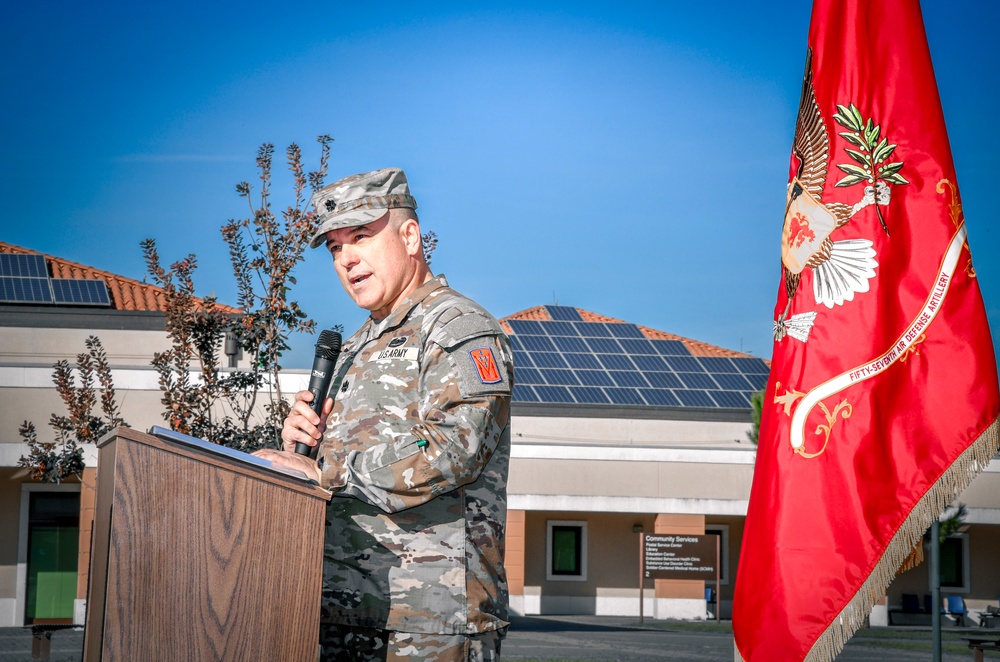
(347, 256)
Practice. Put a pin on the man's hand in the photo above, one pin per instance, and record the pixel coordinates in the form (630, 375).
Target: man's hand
(291, 460)
(303, 424)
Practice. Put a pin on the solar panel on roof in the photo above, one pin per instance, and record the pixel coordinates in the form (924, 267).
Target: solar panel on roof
(80, 292)
(717, 364)
(649, 363)
(554, 394)
(731, 399)
(524, 393)
(622, 378)
(527, 375)
(615, 362)
(24, 265)
(625, 331)
(671, 347)
(731, 382)
(592, 329)
(758, 382)
(526, 327)
(582, 361)
(523, 359)
(694, 398)
(659, 397)
(751, 366)
(538, 344)
(588, 395)
(594, 378)
(25, 290)
(633, 346)
(663, 380)
(684, 364)
(624, 396)
(564, 344)
(566, 313)
(697, 380)
(548, 360)
(604, 346)
(559, 329)
(603, 363)
(558, 377)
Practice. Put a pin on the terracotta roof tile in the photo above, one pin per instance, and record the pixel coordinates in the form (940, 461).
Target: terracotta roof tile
(696, 347)
(126, 293)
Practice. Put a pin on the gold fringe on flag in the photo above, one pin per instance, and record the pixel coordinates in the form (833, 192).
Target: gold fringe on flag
(913, 559)
(909, 536)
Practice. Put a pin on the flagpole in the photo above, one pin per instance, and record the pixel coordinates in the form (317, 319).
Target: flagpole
(935, 570)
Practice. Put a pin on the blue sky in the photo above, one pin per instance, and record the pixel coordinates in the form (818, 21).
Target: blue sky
(626, 158)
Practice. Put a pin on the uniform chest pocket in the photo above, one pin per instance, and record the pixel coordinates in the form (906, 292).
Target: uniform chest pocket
(382, 377)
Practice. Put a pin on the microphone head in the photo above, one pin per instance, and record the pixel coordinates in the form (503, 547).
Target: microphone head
(328, 345)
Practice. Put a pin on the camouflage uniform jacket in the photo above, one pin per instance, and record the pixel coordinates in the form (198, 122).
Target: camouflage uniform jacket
(416, 452)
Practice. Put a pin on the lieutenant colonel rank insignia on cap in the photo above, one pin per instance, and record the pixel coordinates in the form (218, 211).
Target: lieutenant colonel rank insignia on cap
(486, 365)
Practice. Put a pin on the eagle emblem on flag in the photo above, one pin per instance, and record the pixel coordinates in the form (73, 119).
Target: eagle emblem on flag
(841, 268)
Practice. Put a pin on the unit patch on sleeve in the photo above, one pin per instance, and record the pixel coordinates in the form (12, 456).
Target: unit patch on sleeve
(486, 365)
(480, 367)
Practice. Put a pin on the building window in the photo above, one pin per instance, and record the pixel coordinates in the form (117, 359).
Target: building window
(566, 551)
(721, 530)
(954, 563)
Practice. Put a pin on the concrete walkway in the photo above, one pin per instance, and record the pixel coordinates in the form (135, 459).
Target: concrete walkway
(619, 639)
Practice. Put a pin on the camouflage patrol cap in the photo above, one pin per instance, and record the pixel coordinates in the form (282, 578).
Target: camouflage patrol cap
(360, 199)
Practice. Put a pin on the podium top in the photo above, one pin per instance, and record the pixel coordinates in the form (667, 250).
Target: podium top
(170, 435)
(222, 456)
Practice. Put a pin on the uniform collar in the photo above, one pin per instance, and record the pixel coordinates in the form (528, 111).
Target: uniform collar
(406, 306)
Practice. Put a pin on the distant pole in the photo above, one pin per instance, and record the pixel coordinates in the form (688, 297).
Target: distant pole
(935, 571)
(642, 562)
(718, 579)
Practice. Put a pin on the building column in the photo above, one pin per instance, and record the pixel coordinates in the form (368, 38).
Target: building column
(879, 616)
(514, 560)
(679, 598)
(88, 495)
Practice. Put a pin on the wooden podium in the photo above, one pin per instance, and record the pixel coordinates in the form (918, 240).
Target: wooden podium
(201, 553)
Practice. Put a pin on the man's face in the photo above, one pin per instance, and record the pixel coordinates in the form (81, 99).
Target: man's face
(374, 263)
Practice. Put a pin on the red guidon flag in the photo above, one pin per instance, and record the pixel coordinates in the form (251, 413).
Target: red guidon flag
(882, 402)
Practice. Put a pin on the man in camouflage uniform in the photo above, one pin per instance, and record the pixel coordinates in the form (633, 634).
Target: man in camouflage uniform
(415, 445)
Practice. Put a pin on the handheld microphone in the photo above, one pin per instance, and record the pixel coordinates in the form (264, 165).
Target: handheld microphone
(327, 351)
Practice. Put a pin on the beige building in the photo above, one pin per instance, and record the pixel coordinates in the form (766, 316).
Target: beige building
(616, 428)
(48, 308)
(620, 429)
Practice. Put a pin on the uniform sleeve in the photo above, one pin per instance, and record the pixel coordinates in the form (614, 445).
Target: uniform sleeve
(462, 409)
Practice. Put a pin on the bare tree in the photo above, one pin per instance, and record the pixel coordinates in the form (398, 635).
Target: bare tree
(200, 396)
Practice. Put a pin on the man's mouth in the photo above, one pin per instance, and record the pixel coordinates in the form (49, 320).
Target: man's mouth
(357, 280)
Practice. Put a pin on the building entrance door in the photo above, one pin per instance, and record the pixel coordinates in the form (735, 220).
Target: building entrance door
(53, 547)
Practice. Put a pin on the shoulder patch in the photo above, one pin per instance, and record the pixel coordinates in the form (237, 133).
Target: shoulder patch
(486, 364)
(482, 367)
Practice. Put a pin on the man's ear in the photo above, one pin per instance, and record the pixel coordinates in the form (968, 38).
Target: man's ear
(409, 231)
